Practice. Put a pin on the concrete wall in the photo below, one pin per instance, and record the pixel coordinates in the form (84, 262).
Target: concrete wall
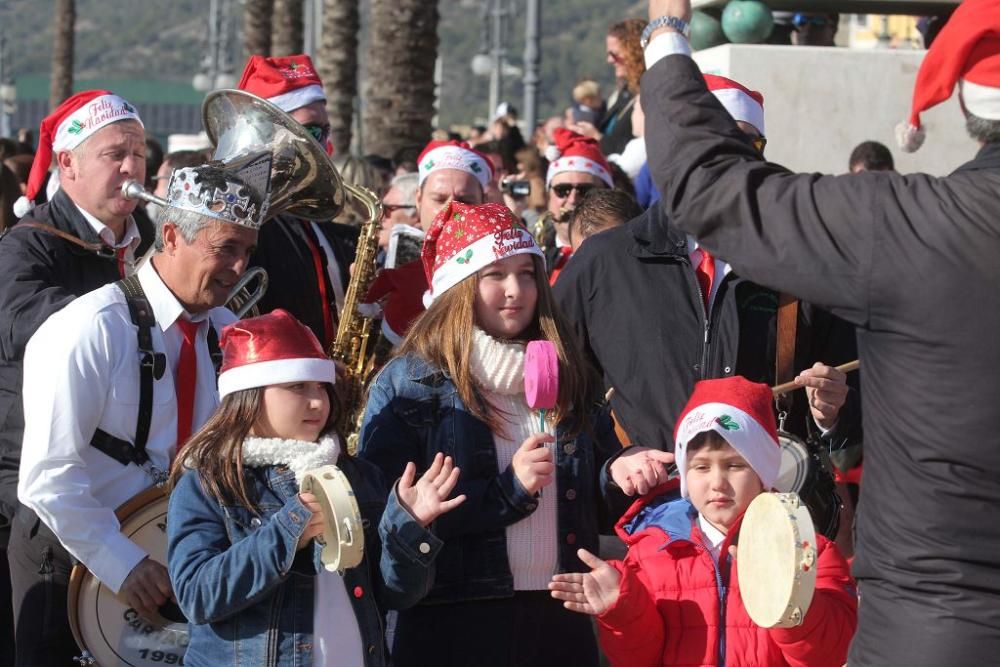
(819, 103)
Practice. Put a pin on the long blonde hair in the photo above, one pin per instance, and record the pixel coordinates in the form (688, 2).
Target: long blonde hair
(443, 336)
(215, 451)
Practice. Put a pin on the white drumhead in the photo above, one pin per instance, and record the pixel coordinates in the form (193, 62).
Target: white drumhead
(343, 534)
(104, 625)
(794, 465)
(776, 560)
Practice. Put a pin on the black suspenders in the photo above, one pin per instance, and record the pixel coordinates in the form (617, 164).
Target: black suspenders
(152, 365)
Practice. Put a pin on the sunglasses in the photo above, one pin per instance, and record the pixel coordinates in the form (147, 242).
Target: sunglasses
(759, 143)
(802, 20)
(563, 189)
(319, 132)
(617, 59)
(389, 209)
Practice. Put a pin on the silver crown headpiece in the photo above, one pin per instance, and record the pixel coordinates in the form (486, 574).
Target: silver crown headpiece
(236, 191)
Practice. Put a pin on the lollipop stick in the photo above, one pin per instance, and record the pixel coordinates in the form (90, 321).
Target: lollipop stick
(542, 423)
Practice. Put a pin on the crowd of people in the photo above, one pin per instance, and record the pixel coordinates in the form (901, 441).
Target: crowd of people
(673, 275)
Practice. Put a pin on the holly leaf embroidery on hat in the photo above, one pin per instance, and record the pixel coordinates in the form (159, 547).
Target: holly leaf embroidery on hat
(428, 165)
(474, 166)
(464, 259)
(726, 422)
(75, 128)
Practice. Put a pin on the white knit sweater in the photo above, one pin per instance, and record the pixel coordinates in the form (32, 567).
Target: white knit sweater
(532, 543)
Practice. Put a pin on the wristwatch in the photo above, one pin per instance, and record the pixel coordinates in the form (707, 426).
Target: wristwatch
(680, 25)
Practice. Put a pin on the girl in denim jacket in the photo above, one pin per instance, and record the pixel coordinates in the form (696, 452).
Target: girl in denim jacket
(242, 559)
(457, 387)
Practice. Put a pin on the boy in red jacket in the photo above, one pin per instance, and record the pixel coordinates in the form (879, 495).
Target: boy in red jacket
(675, 599)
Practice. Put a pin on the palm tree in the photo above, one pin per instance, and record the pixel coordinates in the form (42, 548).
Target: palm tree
(337, 66)
(63, 25)
(399, 90)
(286, 31)
(257, 27)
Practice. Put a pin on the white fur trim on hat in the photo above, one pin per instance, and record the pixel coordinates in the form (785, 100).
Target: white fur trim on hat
(578, 164)
(909, 138)
(740, 430)
(741, 107)
(88, 119)
(455, 157)
(298, 98)
(277, 371)
(979, 100)
(478, 255)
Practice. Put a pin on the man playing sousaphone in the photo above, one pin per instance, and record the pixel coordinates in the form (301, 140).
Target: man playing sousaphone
(117, 381)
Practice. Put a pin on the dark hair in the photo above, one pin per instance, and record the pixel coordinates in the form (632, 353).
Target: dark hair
(621, 180)
(602, 209)
(154, 158)
(21, 166)
(629, 33)
(708, 440)
(872, 155)
(407, 156)
(981, 129)
(10, 191)
(8, 148)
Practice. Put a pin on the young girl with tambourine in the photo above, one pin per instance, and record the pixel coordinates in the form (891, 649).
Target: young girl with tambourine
(242, 557)
(457, 387)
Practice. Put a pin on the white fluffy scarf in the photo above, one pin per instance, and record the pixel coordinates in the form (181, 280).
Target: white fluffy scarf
(498, 365)
(298, 455)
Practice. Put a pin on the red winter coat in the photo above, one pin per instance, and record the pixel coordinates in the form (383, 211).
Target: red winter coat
(674, 599)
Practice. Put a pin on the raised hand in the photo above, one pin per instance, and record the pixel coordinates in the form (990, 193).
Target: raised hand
(428, 498)
(640, 469)
(588, 592)
(315, 525)
(532, 463)
(826, 388)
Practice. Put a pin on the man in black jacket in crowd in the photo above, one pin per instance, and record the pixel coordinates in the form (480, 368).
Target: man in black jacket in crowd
(912, 262)
(83, 238)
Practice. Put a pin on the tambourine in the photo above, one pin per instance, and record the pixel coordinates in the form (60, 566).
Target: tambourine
(110, 632)
(343, 537)
(776, 557)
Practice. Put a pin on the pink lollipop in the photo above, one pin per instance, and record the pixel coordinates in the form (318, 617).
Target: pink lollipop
(541, 376)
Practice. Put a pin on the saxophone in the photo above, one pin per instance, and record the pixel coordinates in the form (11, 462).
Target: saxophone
(354, 331)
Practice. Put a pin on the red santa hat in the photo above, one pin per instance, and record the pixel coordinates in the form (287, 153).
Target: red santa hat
(288, 82)
(575, 152)
(271, 349)
(966, 52)
(742, 103)
(740, 412)
(72, 123)
(465, 238)
(454, 155)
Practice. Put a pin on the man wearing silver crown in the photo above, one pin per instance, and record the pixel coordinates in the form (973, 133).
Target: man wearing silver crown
(85, 432)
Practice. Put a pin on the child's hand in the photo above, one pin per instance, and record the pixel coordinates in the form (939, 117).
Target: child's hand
(532, 463)
(640, 469)
(588, 592)
(427, 499)
(315, 526)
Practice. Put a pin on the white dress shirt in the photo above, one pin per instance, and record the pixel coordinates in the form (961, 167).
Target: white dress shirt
(81, 373)
(130, 240)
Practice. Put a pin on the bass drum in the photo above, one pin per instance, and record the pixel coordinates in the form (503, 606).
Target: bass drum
(106, 628)
(807, 471)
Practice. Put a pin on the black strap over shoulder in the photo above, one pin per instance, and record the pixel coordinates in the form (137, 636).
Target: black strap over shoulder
(152, 365)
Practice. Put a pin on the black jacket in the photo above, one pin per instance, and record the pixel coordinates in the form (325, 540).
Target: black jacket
(42, 273)
(283, 251)
(633, 298)
(616, 126)
(914, 262)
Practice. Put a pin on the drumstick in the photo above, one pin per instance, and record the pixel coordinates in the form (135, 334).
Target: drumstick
(791, 386)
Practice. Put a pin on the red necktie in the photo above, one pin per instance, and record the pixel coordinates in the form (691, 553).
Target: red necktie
(565, 252)
(120, 254)
(324, 299)
(187, 374)
(706, 276)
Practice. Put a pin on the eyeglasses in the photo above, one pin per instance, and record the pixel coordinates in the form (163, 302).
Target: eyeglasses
(563, 189)
(802, 20)
(319, 132)
(617, 59)
(759, 142)
(389, 209)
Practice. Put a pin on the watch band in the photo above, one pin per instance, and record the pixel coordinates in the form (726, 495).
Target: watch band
(680, 25)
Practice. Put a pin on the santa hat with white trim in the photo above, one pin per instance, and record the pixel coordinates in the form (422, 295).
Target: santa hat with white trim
(575, 152)
(966, 52)
(271, 349)
(742, 103)
(72, 123)
(287, 82)
(454, 155)
(466, 238)
(741, 413)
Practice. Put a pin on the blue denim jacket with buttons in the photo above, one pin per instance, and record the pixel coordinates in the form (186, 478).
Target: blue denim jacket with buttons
(248, 593)
(413, 412)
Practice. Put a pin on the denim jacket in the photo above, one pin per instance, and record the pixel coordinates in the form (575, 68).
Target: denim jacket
(413, 412)
(248, 593)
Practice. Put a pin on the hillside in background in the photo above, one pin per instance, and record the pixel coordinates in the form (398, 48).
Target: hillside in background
(164, 41)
